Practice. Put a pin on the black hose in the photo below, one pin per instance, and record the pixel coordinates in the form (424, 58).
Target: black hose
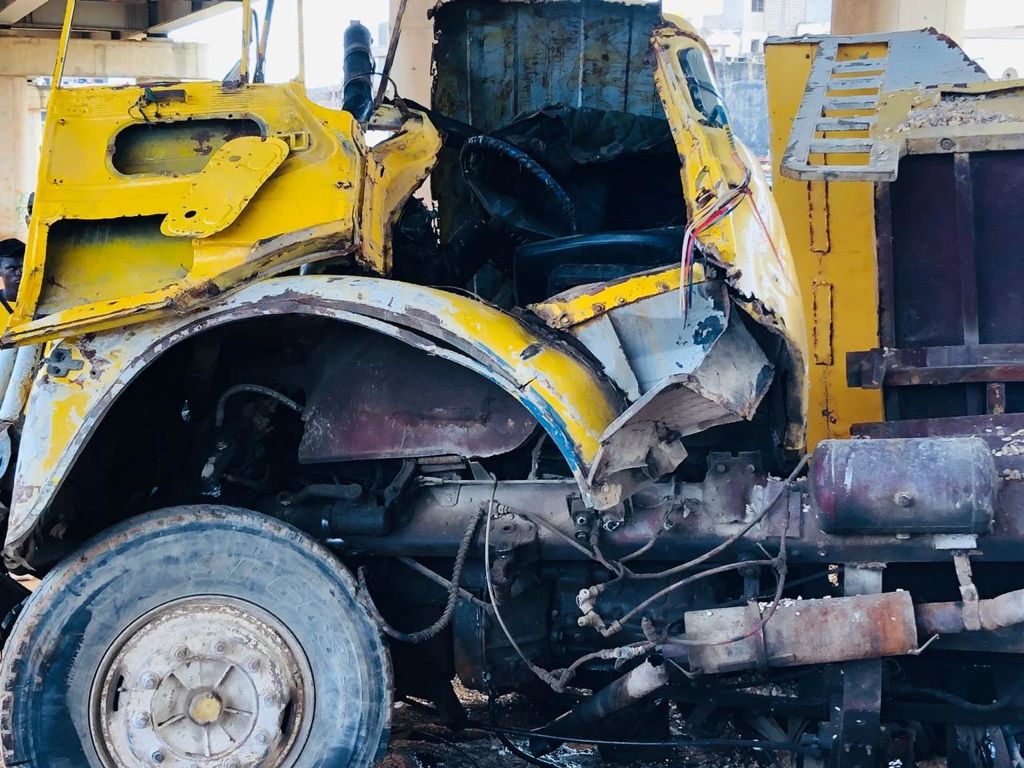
(958, 701)
(453, 595)
(774, 746)
(357, 91)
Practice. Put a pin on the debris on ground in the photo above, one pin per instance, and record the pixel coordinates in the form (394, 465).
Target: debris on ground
(957, 111)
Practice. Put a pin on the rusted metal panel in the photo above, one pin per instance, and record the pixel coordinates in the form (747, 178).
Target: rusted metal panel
(376, 398)
(845, 629)
(496, 61)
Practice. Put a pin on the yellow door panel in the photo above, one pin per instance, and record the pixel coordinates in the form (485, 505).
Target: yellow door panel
(221, 191)
(110, 242)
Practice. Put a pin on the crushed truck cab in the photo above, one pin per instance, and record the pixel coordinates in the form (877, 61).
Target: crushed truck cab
(542, 386)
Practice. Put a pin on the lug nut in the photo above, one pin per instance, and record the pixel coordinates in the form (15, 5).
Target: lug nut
(262, 737)
(270, 699)
(149, 681)
(233, 763)
(157, 756)
(253, 664)
(180, 652)
(140, 720)
(219, 647)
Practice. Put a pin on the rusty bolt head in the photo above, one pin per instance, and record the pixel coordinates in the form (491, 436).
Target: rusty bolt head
(721, 469)
(233, 763)
(140, 720)
(261, 737)
(149, 681)
(253, 664)
(270, 699)
(157, 756)
(180, 652)
(219, 647)
(904, 498)
(947, 143)
(582, 520)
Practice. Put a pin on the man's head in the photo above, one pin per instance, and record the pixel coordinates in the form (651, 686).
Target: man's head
(12, 261)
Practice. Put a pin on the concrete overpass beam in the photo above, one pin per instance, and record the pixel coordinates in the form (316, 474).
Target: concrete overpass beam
(13, 11)
(861, 17)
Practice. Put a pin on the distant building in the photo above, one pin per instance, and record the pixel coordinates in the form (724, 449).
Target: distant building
(742, 27)
(736, 37)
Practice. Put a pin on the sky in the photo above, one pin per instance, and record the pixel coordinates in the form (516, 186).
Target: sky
(326, 21)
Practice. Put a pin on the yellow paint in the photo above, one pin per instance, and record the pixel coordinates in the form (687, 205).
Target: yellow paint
(394, 169)
(842, 257)
(581, 304)
(316, 205)
(220, 192)
(551, 379)
(750, 243)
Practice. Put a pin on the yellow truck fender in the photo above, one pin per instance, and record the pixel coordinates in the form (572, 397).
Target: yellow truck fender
(82, 377)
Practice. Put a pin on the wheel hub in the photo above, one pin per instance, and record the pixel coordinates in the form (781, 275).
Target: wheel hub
(205, 682)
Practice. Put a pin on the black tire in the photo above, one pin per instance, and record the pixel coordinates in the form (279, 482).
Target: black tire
(82, 608)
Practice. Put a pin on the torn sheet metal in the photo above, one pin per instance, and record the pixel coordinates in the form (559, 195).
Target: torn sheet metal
(750, 243)
(682, 378)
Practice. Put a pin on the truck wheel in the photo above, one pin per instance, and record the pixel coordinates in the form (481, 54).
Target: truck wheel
(201, 636)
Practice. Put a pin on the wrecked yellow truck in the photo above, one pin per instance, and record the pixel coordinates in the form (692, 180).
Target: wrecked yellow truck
(289, 442)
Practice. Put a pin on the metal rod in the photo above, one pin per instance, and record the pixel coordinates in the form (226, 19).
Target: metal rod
(442, 581)
(396, 34)
(259, 75)
(243, 68)
(302, 41)
(62, 47)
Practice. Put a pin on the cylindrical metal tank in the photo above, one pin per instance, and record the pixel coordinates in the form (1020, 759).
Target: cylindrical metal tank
(919, 485)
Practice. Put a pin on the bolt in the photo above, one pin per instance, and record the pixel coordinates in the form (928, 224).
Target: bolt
(582, 520)
(233, 763)
(947, 143)
(140, 720)
(219, 647)
(157, 756)
(262, 737)
(149, 681)
(721, 469)
(270, 699)
(253, 664)
(180, 652)
(904, 498)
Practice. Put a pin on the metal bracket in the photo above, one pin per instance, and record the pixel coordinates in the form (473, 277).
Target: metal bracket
(971, 607)
(61, 362)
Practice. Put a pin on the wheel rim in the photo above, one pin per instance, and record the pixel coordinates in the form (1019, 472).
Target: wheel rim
(204, 682)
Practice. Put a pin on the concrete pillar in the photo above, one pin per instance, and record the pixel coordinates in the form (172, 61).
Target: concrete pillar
(860, 17)
(20, 133)
(23, 59)
(411, 72)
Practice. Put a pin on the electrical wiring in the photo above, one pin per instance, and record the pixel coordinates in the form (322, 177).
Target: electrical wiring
(710, 554)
